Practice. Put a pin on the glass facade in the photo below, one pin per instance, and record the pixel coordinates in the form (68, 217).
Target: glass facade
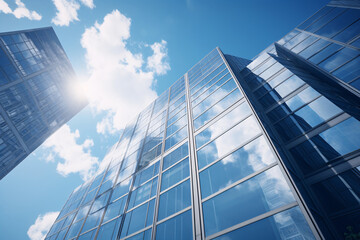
(35, 95)
(240, 149)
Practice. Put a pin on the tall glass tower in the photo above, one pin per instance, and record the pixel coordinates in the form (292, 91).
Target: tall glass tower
(239, 149)
(35, 95)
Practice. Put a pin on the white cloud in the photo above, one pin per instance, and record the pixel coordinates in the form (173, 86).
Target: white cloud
(4, 7)
(158, 61)
(105, 126)
(20, 11)
(77, 157)
(88, 3)
(118, 83)
(66, 12)
(42, 225)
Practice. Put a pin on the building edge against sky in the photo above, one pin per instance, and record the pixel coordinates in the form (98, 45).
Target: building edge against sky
(35, 92)
(236, 150)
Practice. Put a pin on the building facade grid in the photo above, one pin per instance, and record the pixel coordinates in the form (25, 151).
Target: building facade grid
(239, 149)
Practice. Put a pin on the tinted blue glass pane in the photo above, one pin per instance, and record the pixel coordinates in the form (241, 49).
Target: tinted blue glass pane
(109, 230)
(248, 159)
(121, 189)
(115, 209)
(314, 48)
(289, 224)
(356, 84)
(349, 71)
(100, 202)
(146, 235)
(214, 97)
(208, 90)
(176, 117)
(174, 200)
(219, 126)
(315, 17)
(288, 128)
(349, 33)
(324, 53)
(302, 98)
(87, 236)
(175, 174)
(176, 138)
(217, 108)
(304, 44)
(356, 43)
(135, 220)
(339, 192)
(280, 78)
(176, 155)
(258, 195)
(177, 228)
(223, 76)
(83, 211)
(74, 229)
(92, 220)
(316, 112)
(150, 214)
(325, 19)
(142, 193)
(339, 23)
(176, 126)
(146, 174)
(209, 77)
(308, 156)
(289, 85)
(227, 142)
(278, 113)
(338, 59)
(343, 137)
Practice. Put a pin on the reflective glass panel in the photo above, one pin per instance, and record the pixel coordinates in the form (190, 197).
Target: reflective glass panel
(174, 200)
(316, 112)
(258, 195)
(175, 155)
(175, 174)
(109, 230)
(219, 126)
(217, 108)
(227, 142)
(248, 159)
(177, 228)
(115, 209)
(290, 224)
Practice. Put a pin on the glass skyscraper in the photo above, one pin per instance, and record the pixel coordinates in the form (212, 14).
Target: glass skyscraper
(35, 94)
(239, 149)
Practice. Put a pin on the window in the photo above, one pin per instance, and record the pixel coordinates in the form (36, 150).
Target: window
(177, 228)
(244, 161)
(175, 174)
(289, 224)
(219, 126)
(233, 138)
(258, 195)
(175, 155)
(174, 200)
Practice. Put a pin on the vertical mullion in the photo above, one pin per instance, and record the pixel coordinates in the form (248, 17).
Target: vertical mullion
(198, 227)
(157, 199)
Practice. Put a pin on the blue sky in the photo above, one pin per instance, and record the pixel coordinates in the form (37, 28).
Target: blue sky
(118, 47)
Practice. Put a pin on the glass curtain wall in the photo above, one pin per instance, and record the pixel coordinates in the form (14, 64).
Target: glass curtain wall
(197, 152)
